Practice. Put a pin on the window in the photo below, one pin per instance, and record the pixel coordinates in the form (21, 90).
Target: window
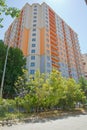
(34, 25)
(32, 51)
(48, 58)
(33, 39)
(35, 9)
(46, 21)
(48, 52)
(47, 40)
(48, 45)
(35, 16)
(35, 12)
(48, 64)
(33, 45)
(84, 63)
(47, 25)
(34, 20)
(34, 29)
(32, 71)
(32, 64)
(32, 57)
(47, 30)
(46, 17)
(53, 62)
(48, 71)
(34, 34)
(35, 6)
(47, 34)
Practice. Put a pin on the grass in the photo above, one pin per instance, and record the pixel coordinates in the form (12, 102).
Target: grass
(46, 114)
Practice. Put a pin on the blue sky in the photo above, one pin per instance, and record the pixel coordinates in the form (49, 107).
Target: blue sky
(74, 13)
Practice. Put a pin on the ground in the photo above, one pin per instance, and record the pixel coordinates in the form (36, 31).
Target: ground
(67, 122)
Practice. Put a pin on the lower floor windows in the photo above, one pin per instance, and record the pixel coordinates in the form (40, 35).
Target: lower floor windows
(33, 45)
(32, 71)
(32, 57)
(32, 64)
(32, 51)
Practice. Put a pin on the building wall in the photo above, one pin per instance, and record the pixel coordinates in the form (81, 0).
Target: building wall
(84, 61)
(46, 40)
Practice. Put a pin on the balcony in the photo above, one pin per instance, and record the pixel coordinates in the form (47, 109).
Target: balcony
(54, 53)
(54, 59)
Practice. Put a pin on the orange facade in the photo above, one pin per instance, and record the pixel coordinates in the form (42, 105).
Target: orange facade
(25, 41)
(53, 39)
(42, 41)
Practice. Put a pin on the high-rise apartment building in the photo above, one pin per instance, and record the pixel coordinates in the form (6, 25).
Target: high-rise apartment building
(46, 40)
(84, 61)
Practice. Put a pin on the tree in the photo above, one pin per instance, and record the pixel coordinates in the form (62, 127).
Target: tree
(2, 56)
(15, 64)
(35, 91)
(48, 91)
(21, 84)
(55, 88)
(72, 95)
(4, 9)
(83, 84)
(44, 91)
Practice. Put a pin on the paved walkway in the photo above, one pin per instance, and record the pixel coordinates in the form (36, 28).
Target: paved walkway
(78, 122)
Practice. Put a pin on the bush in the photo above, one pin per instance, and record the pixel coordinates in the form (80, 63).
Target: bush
(7, 106)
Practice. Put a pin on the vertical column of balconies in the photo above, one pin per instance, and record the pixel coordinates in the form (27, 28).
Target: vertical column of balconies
(19, 28)
(45, 53)
(53, 39)
(66, 46)
(62, 58)
(84, 64)
(77, 55)
(7, 36)
(75, 52)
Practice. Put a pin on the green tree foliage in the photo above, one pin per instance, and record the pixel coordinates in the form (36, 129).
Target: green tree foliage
(15, 64)
(2, 56)
(21, 84)
(7, 106)
(32, 92)
(50, 91)
(42, 92)
(83, 84)
(4, 9)
(72, 95)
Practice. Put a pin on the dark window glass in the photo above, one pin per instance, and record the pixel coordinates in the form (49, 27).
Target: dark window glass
(32, 57)
(34, 34)
(33, 39)
(34, 20)
(32, 64)
(34, 29)
(33, 45)
(32, 51)
(32, 71)
(34, 25)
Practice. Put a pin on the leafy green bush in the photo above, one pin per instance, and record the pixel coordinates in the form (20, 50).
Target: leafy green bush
(7, 106)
